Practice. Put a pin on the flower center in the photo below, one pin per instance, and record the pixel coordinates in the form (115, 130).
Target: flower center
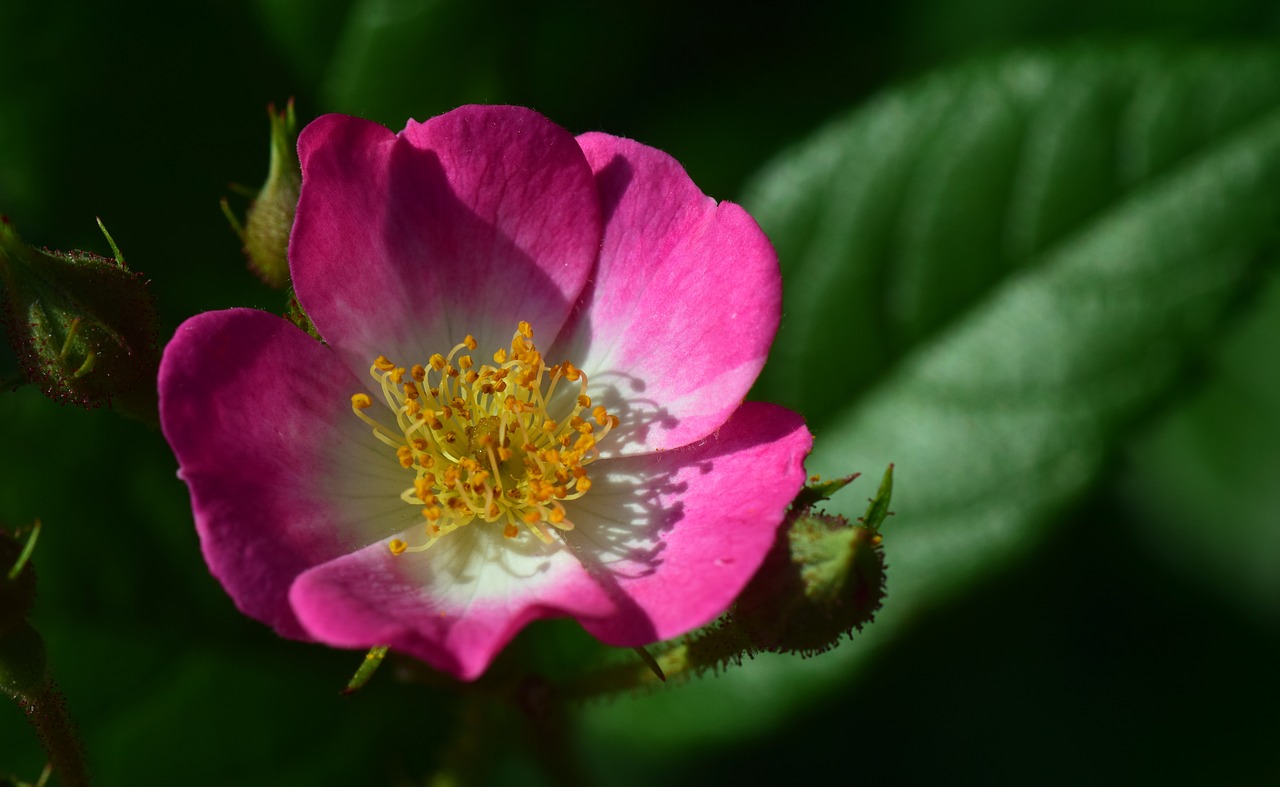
(482, 442)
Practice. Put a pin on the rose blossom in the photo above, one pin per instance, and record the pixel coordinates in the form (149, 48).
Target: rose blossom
(426, 478)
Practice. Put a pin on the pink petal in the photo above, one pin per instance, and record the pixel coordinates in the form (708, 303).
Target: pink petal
(281, 472)
(467, 223)
(664, 543)
(682, 308)
(701, 521)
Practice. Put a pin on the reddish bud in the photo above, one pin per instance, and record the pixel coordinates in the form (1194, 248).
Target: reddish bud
(83, 326)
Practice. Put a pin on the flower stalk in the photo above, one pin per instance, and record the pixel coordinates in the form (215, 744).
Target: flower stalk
(24, 671)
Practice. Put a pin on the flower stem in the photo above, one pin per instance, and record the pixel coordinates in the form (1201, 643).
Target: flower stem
(47, 712)
(24, 677)
(711, 648)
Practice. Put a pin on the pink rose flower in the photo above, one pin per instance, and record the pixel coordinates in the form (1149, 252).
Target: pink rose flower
(528, 402)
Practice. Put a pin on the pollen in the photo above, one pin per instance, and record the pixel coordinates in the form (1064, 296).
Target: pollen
(488, 445)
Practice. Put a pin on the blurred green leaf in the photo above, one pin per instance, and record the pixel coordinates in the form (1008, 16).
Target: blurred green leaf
(1205, 476)
(451, 53)
(989, 275)
(304, 32)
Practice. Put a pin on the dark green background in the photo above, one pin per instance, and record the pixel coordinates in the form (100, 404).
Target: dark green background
(1133, 640)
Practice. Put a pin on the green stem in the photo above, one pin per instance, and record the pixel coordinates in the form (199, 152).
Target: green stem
(712, 648)
(24, 677)
(47, 712)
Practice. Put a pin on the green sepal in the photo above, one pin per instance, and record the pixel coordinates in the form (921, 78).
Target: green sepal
(17, 579)
(651, 663)
(294, 313)
(878, 506)
(364, 673)
(816, 491)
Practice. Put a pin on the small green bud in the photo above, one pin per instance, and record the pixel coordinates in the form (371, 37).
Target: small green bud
(83, 326)
(17, 581)
(269, 220)
(824, 578)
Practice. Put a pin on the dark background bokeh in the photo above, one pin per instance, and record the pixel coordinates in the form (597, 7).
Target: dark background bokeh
(1092, 660)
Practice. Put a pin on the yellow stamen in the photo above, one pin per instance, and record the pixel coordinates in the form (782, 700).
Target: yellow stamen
(481, 442)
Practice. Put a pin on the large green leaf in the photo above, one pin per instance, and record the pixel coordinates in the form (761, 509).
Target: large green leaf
(989, 276)
(1205, 476)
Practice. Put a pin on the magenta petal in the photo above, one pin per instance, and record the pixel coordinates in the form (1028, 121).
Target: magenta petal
(259, 417)
(683, 306)
(453, 607)
(467, 223)
(664, 543)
